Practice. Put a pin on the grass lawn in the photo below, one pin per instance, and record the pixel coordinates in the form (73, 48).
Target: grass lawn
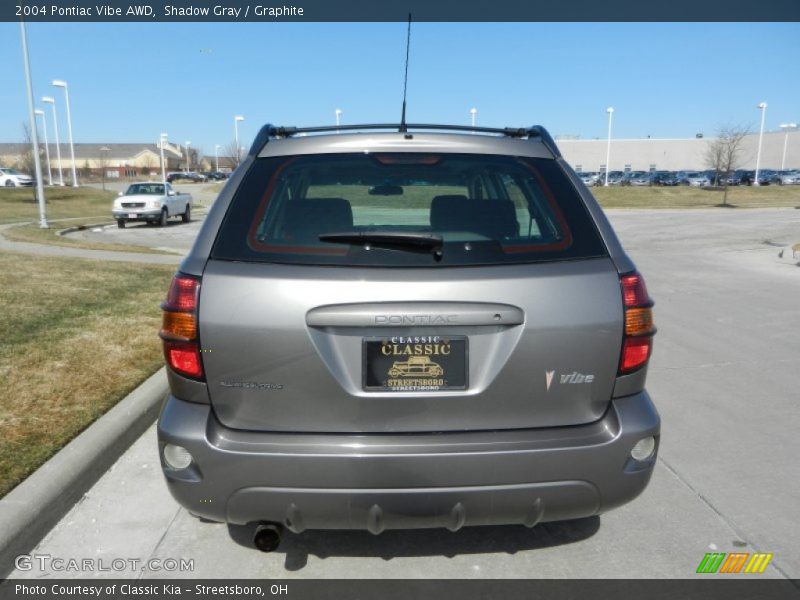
(76, 336)
(33, 233)
(216, 187)
(769, 196)
(17, 204)
(609, 197)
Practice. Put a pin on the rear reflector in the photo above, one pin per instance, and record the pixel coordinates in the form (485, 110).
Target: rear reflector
(179, 327)
(639, 330)
(183, 358)
(635, 353)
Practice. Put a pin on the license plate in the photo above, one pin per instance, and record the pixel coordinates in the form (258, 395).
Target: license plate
(132, 215)
(415, 363)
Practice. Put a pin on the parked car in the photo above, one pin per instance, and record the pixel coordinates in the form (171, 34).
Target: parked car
(715, 178)
(787, 177)
(638, 178)
(765, 176)
(216, 175)
(589, 178)
(665, 178)
(696, 179)
(147, 201)
(614, 178)
(186, 176)
(13, 178)
(745, 177)
(730, 179)
(290, 329)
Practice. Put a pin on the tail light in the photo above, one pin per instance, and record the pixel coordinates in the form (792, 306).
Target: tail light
(179, 327)
(639, 329)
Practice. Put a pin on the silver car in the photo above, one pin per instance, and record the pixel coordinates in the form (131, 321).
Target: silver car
(695, 179)
(789, 177)
(405, 327)
(13, 178)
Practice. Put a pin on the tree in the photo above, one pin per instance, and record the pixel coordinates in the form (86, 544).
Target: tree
(234, 152)
(102, 160)
(724, 154)
(195, 154)
(26, 164)
(148, 164)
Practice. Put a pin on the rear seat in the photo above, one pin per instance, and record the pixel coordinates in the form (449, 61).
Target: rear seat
(496, 219)
(306, 220)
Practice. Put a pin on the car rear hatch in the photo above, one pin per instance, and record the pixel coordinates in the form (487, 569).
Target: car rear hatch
(463, 292)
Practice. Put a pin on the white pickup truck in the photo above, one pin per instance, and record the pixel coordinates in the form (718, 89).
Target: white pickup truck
(148, 202)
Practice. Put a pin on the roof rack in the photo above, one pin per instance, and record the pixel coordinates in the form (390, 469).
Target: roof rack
(271, 131)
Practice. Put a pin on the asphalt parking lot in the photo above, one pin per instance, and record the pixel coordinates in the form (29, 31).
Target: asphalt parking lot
(724, 377)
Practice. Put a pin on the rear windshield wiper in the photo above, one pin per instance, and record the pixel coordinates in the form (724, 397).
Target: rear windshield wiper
(391, 240)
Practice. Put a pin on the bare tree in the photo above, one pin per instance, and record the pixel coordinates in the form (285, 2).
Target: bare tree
(102, 161)
(723, 154)
(26, 164)
(234, 153)
(148, 164)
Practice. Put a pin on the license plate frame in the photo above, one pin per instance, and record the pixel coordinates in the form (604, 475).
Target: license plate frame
(440, 363)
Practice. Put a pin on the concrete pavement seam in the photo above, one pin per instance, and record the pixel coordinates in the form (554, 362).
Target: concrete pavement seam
(31, 509)
(729, 522)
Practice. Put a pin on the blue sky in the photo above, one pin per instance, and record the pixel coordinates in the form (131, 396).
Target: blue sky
(129, 82)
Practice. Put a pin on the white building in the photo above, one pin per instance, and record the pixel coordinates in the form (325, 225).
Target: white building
(675, 154)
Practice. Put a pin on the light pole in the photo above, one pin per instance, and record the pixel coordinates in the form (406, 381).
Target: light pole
(60, 83)
(787, 127)
(34, 137)
(188, 161)
(52, 102)
(104, 153)
(216, 156)
(41, 113)
(763, 107)
(338, 118)
(610, 111)
(236, 120)
(473, 112)
(162, 140)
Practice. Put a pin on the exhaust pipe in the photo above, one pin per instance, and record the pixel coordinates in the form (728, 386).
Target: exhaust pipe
(267, 537)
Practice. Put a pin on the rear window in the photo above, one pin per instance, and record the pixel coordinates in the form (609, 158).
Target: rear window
(479, 209)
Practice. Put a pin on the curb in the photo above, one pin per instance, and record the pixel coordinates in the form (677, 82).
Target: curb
(31, 509)
(68, 230)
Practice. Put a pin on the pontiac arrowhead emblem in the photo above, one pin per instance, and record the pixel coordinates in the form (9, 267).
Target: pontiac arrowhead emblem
(549, 377)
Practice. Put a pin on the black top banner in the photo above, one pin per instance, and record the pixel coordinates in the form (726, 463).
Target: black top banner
(387, 10)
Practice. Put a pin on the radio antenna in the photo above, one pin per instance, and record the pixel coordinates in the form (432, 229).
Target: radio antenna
(403, 127)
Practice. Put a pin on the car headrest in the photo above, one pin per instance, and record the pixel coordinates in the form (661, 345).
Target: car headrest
(306, 220)
(496, 219)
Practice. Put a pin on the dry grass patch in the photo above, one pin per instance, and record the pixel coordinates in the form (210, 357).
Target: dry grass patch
(76, 336)
(771, 196)
(17, 204)
(33, 233)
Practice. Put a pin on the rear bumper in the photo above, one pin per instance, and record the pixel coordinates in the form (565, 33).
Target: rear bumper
(377, 482)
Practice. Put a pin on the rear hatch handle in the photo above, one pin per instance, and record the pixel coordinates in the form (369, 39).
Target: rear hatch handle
(414, 314)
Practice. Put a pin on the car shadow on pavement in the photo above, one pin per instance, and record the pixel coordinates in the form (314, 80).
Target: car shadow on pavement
(391, 544)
